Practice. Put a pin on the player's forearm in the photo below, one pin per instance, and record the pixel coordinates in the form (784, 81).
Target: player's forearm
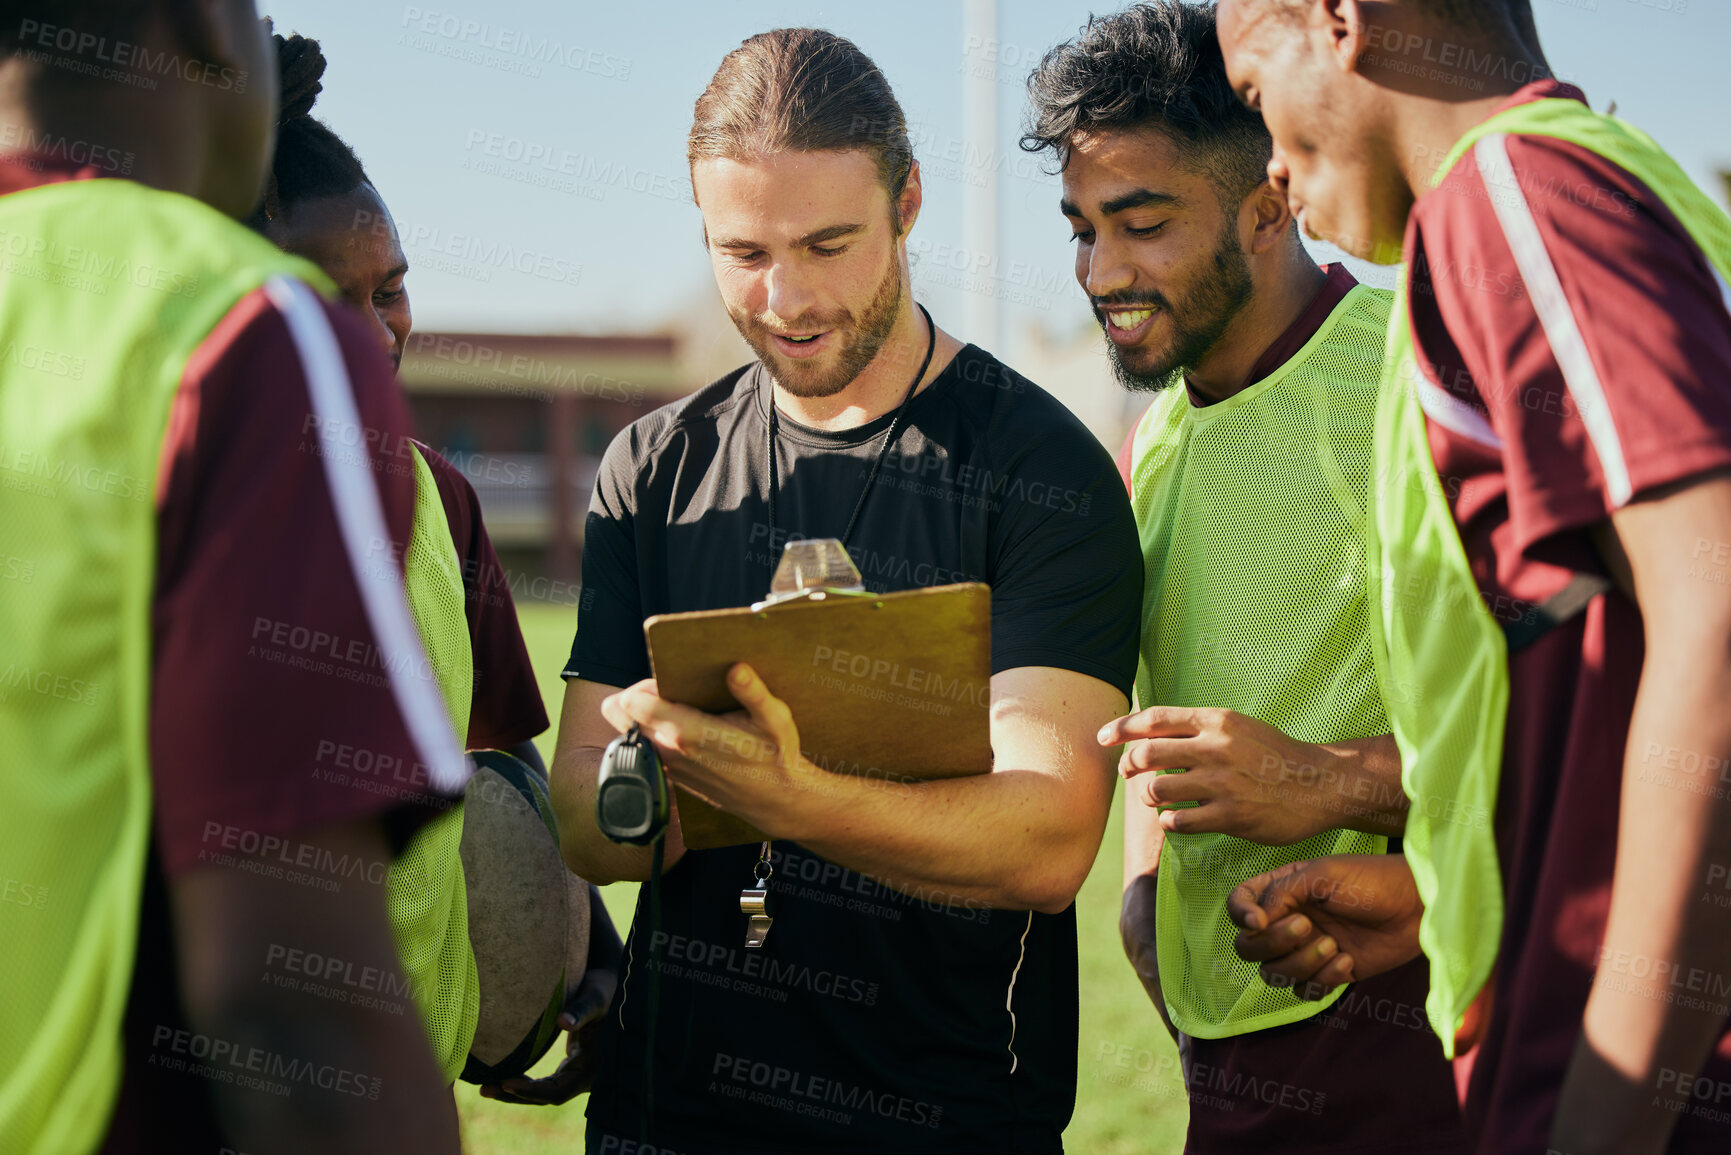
(368, 1084)
(1017, 839)
(1657, 1005)
(1368, 796)
(291, 1071)
(588, 852)
(1143, 836)
(1143, 840)
(1137, 931)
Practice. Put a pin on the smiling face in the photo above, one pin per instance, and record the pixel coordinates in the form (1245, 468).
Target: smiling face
(1331, 150)
(354, 240)
(808, 260)
(1158, 255)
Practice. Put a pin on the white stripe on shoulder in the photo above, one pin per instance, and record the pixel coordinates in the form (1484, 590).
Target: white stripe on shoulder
(1010, 995)
(1555, 314)
(361, 520)
(1455, 415)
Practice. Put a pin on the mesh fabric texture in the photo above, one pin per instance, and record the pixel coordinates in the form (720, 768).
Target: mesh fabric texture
(426, 895)
(1251, 513)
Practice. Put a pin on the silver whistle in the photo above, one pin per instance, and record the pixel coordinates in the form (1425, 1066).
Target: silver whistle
(754, 904)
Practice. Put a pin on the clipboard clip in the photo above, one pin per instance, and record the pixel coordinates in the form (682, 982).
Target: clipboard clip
(813, 568)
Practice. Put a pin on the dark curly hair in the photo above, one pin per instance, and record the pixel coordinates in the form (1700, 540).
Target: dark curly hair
(311, 161)
(1158, 65)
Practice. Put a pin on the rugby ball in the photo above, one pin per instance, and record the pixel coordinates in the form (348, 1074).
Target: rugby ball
(528, 916)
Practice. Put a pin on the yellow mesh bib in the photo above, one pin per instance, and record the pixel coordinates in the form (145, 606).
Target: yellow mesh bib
(106, 288)
(1443, 653)
(1251, 513)
(426, 895)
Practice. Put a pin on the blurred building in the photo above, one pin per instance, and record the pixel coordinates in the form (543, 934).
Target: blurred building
(1073, 368)
(526, 419)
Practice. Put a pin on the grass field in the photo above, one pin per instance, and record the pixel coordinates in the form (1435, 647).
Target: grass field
(1129, 1100)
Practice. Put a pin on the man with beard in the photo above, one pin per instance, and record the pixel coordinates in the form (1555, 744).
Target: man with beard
(1548, 526)
(1262, 737)
(918, 990)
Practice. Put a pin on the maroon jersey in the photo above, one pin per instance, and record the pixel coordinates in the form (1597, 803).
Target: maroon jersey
(277, 706)
(1527, 484)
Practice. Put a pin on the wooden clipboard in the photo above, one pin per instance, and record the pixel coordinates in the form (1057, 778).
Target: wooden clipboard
(893, 686)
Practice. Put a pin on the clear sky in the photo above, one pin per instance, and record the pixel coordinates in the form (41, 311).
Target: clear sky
(532, 151)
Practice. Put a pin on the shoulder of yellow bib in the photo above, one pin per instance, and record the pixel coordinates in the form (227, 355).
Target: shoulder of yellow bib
(1456, 869)
(212, 245)
(133, 279)
(1551, 116)
(1622, 144)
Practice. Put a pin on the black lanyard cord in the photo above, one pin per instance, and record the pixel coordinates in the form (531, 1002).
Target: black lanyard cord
(883, 450)
(648, 1100)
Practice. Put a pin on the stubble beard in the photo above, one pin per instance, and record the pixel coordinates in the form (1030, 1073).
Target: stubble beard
(1199, 321)
(864, 339)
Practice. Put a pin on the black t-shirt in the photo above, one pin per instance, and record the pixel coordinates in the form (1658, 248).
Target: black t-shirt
(873, 1020)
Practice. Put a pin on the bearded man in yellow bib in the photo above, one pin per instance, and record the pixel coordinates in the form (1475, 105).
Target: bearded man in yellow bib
(1248, 477)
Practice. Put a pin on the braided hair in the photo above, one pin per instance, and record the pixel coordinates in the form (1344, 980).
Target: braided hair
(311, 161)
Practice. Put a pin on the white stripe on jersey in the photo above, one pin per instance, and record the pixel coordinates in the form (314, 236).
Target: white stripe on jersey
(1010, 995)
(1455, 415)
(361, 519)
(1555, 314)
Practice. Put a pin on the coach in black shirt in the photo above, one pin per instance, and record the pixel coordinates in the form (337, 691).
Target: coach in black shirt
(918, 989)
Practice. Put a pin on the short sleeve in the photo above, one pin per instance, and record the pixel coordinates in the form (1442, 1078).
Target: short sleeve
(1067, 564)
(506, 707)
(1126, 461)
(1594, 329)
(273, 711)
(610, 648)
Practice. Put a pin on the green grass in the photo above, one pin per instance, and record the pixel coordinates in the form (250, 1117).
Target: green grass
(1129, 1101)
